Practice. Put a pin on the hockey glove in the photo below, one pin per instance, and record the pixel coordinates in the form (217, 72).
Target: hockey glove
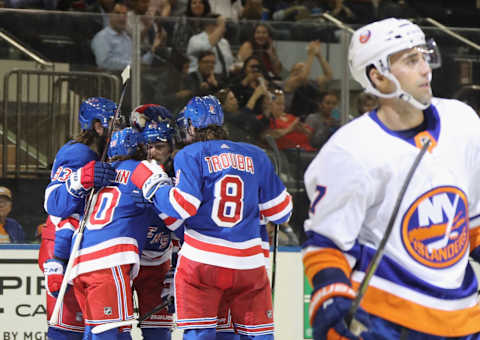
(93, 174)
(328, 321)
(168, 293)
(53, 270)
(149, 176)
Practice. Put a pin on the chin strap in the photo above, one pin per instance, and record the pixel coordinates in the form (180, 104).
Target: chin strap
(399, 92)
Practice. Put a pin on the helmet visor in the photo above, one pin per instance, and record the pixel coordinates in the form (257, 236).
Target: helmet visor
(431, 53)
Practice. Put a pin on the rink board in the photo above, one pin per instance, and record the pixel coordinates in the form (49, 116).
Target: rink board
(22, 305)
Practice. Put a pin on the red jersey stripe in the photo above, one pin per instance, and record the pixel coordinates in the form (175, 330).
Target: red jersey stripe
(215, 248)
(119, 248)
(187, 206)
(278, 208)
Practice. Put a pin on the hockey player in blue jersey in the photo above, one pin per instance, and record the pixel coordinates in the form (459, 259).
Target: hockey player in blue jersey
(222, 188)
(76, 170)
(116, 231)
(424, 286)
(153, 283)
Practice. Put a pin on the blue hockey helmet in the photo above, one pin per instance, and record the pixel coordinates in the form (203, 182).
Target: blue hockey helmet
(158, 132)
(124, 142)
(201, 112)
(143, 114)
(96, 108)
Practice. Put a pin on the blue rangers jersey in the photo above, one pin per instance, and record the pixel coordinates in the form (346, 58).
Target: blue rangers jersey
(117, 229)
(222, 190)
(158, 244)
(424, 281)
(59, 204)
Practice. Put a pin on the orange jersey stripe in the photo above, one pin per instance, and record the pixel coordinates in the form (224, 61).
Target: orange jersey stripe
(474, 238)
(420, 318)
(317, 260)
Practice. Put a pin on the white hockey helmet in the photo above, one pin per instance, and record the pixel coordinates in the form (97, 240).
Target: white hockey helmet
(374, 43)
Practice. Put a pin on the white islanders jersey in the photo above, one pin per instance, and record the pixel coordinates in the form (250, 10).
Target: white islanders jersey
(424, 281)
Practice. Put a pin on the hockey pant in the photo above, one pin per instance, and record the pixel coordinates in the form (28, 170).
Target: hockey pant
(201, 289)
(70, 321)
(149, 284)
(104, 296)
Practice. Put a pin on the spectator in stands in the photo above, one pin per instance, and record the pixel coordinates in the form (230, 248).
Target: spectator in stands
(366, 102)
(103, 7)
(187, 26)
(172, 87)
(250, 77)
(241, 124)
(162, 8)
(298, 87)
(323, 122)
(203, 80)
(10, 230)
(287, 130)
(112, 46)
(229, 9)
(338, 9)
(149, 29)
(212, 39)
(261, 44)
(253, 10)
(178, 7)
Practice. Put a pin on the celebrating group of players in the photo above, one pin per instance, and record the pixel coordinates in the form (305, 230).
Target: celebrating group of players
(215, 209)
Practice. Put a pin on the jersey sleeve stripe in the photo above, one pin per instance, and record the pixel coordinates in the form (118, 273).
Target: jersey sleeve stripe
(171, 223)
(474, 238)
(274, 201)
(319, 259)
(186, 205)
(416, 316)
(277, 209)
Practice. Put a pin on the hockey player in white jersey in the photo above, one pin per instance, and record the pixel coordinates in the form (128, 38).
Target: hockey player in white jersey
(424, 286)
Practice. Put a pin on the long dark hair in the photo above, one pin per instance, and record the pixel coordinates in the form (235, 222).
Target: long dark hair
(252, 37)
(207, 8)
(211, 132)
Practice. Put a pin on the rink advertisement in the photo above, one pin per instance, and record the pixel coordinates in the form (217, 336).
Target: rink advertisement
(307, 291)
(22, 305)
(22, 296)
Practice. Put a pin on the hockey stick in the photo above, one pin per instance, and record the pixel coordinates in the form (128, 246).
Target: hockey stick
(81, 228)
(355, 326)
(271, 142)
(111, 325)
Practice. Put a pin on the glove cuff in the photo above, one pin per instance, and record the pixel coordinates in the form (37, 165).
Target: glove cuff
(328, 292)
(53, 266)
(74, 185)
(149, 176)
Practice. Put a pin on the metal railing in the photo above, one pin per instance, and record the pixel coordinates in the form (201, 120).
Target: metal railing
(32, 55)
(40, 114)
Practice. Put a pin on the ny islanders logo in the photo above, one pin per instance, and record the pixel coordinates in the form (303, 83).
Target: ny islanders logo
(435, 227)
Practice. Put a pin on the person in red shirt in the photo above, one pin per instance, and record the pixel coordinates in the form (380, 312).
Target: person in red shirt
(287, 129)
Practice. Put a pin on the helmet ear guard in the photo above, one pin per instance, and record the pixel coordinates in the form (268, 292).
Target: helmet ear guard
(373, 44)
